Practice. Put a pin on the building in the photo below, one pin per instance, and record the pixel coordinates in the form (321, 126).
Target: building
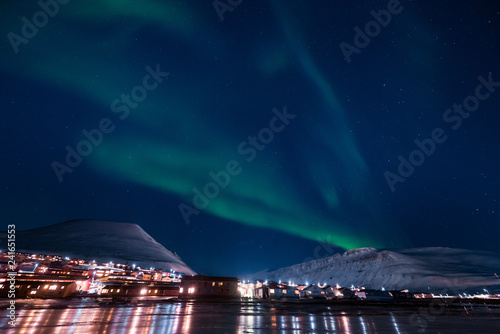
(275, 290)
(261, 292)
(280, 291)
(348, 293)
(422, 295)
(208, 286)
(44, 286)
(137, 288)
(316, 292)
(370, 294)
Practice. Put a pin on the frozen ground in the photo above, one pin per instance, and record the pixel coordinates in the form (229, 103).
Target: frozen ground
(58, 317)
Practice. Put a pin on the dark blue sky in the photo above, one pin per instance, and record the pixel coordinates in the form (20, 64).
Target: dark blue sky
(303, 136)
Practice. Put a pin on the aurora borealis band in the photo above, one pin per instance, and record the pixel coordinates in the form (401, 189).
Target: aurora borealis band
(165, 93)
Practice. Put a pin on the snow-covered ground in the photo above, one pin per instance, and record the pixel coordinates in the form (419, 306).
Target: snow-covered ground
(417, 269)
(102, 241)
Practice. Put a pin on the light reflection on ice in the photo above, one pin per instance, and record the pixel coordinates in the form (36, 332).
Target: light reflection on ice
(199, 317)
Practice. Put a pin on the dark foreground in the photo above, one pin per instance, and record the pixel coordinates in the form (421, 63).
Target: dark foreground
(143, 316)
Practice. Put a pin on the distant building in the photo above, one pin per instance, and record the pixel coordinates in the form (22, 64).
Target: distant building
(422, 295)
(208, 286)
(401, 295)
(135, 288)
(282, 291)
(314, 291)
(374, 295)
(348, 293)
(44, 286)
(275, 290)
(261, 292)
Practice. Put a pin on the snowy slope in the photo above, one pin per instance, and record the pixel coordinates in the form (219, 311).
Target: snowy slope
(102, 241)
(414, 269)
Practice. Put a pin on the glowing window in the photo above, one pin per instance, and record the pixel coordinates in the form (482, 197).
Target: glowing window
(271, 290)
(33, 292)
(191, 290)
(143, 291)
(105, 290)
(181, 290)
(53, 287)
(284, 291)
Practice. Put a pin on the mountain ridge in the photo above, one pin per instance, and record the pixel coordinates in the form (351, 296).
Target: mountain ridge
(102, 241)
(396, 269)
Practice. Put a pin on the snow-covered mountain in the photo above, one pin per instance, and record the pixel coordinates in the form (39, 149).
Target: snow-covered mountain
(102, 241)
(414, 269)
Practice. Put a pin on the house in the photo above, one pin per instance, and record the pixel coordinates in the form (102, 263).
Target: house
(315, 292)
(44, 286)
(261, 292)
(422, 295)
(136, 288)
(401, 295)
(208, 286)
(348, 293)
(279, 291)
(333, 292)
(374, 295)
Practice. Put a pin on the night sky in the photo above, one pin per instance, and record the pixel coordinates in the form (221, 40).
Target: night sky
(303, 120)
